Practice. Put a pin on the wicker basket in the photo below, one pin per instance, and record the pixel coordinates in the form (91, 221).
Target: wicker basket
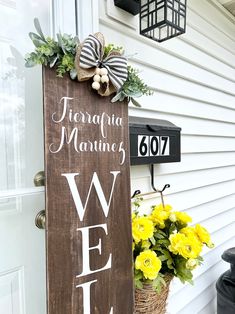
(149, 302)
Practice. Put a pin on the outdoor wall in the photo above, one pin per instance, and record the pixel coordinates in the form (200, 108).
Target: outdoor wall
(193, 77)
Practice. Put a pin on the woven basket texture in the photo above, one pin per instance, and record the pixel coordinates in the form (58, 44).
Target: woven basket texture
(149, 302)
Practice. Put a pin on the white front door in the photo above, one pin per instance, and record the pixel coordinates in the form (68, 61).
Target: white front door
(22, 245)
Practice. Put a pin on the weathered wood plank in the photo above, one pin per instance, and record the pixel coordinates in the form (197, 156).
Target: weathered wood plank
(94, 164)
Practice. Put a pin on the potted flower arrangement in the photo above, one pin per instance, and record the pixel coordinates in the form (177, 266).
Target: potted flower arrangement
(164, 246)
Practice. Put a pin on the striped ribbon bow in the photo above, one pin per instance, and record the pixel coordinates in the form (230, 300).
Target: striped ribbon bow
(92, 54)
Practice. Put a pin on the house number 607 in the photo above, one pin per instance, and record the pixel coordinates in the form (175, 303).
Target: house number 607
(153, 146)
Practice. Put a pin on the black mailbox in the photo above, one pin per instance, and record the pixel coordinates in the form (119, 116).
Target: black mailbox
(153, 141)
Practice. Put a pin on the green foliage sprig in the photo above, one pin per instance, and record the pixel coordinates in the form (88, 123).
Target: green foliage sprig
(133, 87)
(60, 54)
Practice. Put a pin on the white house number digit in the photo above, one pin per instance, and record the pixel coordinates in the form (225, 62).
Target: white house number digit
(153, 146)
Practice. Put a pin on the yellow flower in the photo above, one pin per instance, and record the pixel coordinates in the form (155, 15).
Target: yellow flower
(148, 263)
(203, 235)
(160, 207)
(145, 244)
(186, 246)
(142, 228)
(160, 214)
(189, 231)
(176, 241)
(182, 217)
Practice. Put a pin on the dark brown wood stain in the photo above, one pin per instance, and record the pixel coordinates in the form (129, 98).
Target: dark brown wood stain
(114, 287)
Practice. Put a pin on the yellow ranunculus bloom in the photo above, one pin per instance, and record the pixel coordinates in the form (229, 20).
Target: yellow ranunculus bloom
(142, 228)
(183, 217)
(148, 263)
(186, 246)
(203, 235)
(176, 241)
(188, 231)
(159, 215)
(160, 207)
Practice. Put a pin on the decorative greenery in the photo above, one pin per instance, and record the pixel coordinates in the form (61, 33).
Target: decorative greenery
(61, 55)
(110, 48)
(163, 242)
(133, 87)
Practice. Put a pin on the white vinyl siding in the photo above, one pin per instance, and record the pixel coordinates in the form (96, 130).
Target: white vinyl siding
(193, 77)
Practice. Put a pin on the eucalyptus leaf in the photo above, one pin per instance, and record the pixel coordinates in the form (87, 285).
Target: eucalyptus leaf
(135, 103)
(37, 40)
(53, 61)
(116, 97)
(38, 28)
(29, 63)
(73, 74)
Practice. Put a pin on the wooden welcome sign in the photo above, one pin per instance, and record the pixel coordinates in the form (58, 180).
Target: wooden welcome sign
(89, 253)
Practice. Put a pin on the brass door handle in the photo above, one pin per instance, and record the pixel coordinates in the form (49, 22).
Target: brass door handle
(40, 220)
(39, 178)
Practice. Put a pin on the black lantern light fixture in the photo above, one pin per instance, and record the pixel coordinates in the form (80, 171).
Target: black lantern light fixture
(159, 19)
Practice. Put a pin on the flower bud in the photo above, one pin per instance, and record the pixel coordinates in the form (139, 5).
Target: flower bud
(172, 217)
(95, 85)
(191, 263)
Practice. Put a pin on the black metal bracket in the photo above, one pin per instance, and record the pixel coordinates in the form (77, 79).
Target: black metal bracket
(138, 192)
(131, 6)
(152, 181)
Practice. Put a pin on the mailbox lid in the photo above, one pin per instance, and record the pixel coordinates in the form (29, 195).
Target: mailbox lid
(151, 124)
(153, 141)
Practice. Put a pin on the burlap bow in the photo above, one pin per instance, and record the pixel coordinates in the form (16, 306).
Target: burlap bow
(90, 55)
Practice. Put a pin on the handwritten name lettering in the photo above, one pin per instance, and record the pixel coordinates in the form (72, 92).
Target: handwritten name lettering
(71, 136)
(103, 120)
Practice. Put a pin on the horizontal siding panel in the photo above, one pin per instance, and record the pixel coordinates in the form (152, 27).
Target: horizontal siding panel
(187, 199)
(204, 42)
(213, 208)
(219, 221)
(169, 82)
(169, 63)
(206, 144)
(198, 196)
(189, 125)
(189, 162)
(198, 303)
(219, 24)
(187, 296)
(210, 308)
(180, 105)
(189, 180)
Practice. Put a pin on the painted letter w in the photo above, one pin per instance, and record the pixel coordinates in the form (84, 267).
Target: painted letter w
(81, 209)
